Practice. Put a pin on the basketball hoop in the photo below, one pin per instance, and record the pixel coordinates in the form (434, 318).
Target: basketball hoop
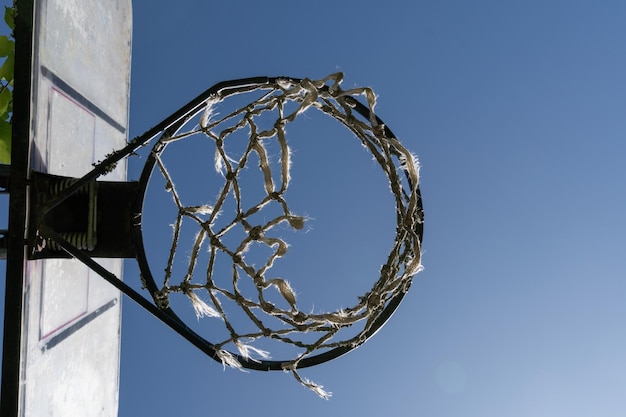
(262, 108)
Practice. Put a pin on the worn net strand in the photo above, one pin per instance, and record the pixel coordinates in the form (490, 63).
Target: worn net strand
(396, 274)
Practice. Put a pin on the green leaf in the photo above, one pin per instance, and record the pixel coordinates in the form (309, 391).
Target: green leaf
(5, 100)
(5, 142)
(9, 17)
(6, 46)
(6, 70)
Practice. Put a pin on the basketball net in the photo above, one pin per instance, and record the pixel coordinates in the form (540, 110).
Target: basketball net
(283, 102)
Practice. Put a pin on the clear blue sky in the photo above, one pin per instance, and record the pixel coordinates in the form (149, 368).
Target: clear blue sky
(516, 111)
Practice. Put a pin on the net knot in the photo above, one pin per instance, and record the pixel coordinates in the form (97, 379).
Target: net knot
(300, 317)
(256, 233)
(162, 299)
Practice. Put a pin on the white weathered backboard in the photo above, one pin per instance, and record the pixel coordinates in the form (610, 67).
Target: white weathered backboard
(80, 90)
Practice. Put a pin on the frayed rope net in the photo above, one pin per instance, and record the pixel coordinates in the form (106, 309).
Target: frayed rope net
(283, 101)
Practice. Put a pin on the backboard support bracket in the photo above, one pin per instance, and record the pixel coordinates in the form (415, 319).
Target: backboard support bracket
(96, 218)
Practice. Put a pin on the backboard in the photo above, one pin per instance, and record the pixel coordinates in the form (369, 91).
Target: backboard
(79, 89)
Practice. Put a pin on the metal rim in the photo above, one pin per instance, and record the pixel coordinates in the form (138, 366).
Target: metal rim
(175, 122)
